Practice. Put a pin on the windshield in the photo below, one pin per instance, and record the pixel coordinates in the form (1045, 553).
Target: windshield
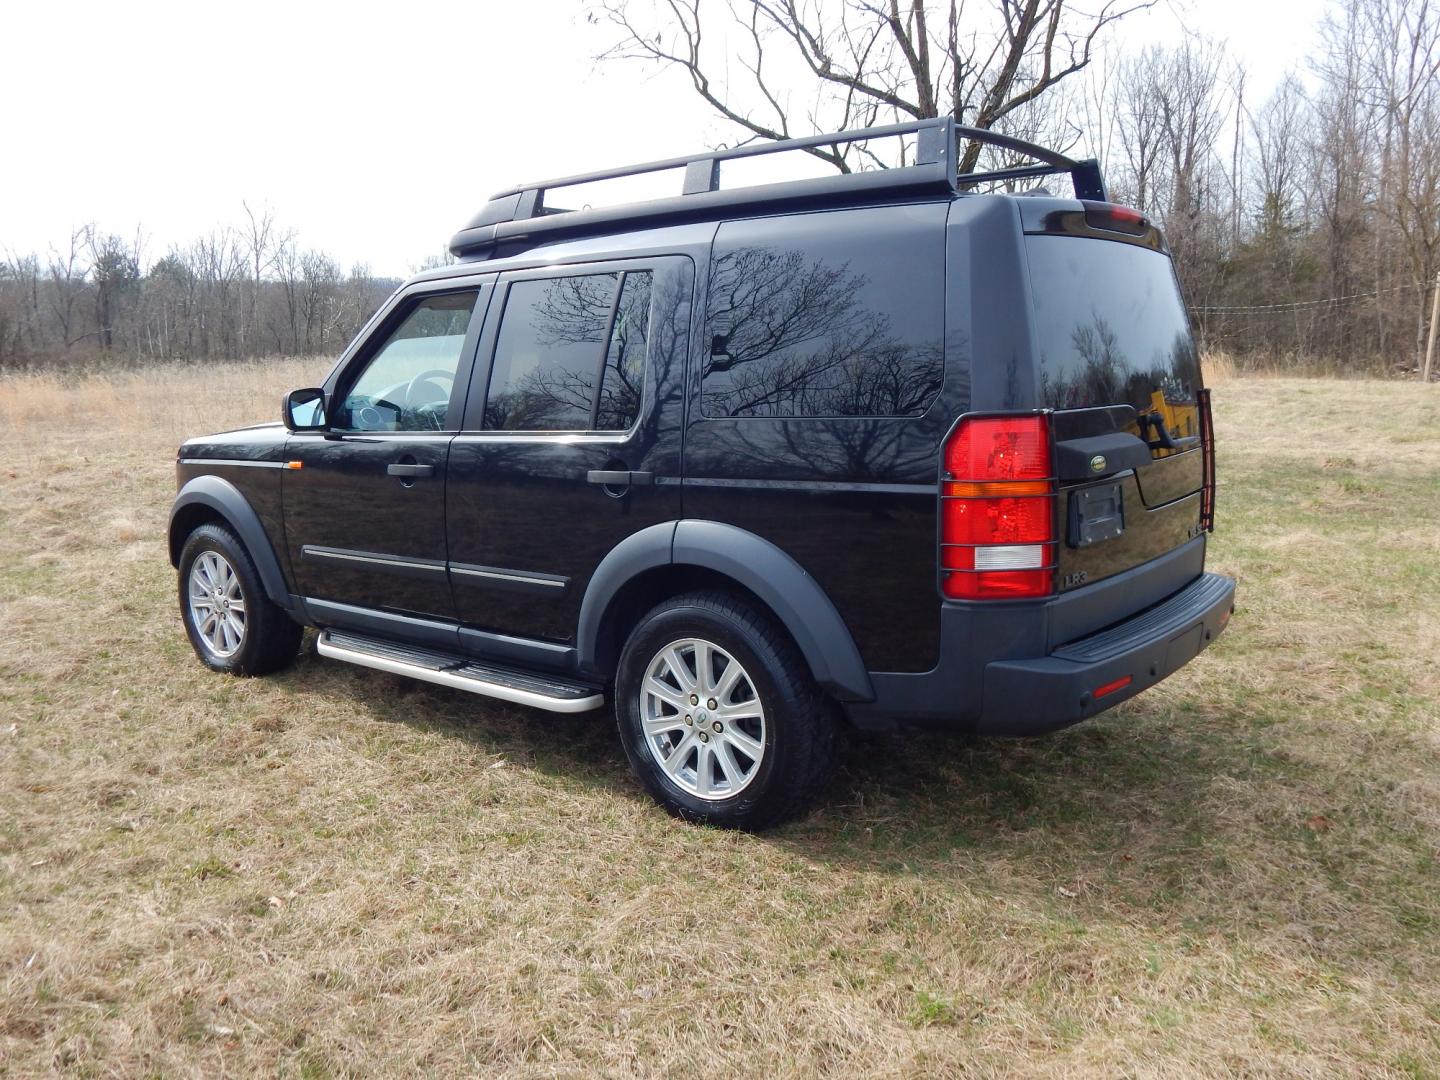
(1112, 328)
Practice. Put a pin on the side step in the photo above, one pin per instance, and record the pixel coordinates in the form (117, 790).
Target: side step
(521, 687)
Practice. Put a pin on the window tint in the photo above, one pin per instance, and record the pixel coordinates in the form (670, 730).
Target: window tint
(624, 378)
(843, 318)
(553, 349)
(548, 353)
(406, 385)
(1112, 327)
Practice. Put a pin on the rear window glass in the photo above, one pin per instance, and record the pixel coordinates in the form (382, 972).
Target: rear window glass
(1112, 328)
(844, 317)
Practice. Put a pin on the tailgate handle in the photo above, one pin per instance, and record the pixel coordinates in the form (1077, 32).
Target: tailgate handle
(1163, 439)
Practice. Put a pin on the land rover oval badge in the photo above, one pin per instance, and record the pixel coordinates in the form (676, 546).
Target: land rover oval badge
(1097, 463)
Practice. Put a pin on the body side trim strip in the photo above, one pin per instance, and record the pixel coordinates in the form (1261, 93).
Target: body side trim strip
(519, 577)
(433, 570)
(232, 461)
(813, 485)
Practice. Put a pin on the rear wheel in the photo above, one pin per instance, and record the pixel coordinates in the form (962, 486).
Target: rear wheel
(718, 713)
(231, 623)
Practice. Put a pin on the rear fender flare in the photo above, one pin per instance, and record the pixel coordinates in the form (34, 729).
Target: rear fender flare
(224, 498)
(781, 583)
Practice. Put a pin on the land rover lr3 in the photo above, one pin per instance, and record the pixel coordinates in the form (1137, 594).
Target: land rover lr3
(752, 463)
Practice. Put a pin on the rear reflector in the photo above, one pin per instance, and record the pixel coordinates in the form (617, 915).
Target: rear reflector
(1010, 557)
(997, 509)
(1111, 687)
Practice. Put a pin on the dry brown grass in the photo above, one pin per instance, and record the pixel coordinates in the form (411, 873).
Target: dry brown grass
(338, 873)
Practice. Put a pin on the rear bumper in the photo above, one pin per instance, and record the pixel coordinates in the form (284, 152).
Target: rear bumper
(1027, 667)
(1028, 697)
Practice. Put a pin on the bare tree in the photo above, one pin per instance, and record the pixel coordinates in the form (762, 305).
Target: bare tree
(863, 62)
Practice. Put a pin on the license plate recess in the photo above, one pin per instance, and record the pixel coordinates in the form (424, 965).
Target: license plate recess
(1096, 513)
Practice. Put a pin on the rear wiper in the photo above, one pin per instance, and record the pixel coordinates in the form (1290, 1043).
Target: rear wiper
(1163, 439)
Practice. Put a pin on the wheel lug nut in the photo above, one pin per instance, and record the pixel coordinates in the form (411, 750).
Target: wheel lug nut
(704, 737)
(694, 699)
(719, 727)
(689, 720)
(712, 703)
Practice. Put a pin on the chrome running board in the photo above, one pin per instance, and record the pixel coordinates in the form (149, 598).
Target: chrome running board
(461, 673)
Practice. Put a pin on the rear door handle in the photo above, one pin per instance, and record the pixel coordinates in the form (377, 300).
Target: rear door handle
(618, 477)
(410, 471)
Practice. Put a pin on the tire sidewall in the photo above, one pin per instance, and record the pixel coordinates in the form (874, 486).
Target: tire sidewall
(653, 634)
(213, 538)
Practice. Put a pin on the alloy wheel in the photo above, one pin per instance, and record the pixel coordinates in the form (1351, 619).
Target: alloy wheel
(217, 604)
(703, 719)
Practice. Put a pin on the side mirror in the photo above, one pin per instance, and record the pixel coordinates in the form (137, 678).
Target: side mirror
(304, 410)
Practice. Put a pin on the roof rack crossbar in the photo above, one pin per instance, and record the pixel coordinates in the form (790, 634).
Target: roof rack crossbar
(934, 162)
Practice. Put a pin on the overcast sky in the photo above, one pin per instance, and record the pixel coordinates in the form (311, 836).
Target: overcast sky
(375, 130)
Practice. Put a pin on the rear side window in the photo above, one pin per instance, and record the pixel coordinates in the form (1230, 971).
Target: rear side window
(570, 354)
(831, 314)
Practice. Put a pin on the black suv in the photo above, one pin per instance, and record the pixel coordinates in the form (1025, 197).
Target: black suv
(868, 448)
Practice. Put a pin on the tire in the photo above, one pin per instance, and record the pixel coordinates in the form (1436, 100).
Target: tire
(771, 714)
(266, 639)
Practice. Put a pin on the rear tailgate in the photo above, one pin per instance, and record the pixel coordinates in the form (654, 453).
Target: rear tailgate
(1118, 364)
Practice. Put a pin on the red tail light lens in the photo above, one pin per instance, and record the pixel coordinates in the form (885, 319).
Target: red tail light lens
(997, 509)
(999, 448)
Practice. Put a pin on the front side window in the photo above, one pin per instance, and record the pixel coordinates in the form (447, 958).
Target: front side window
(570, 354)
(407, 384)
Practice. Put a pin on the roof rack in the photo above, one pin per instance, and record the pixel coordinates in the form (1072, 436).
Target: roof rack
(518, 217)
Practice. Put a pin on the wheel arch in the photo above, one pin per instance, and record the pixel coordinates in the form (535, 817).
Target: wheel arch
(678, 556)
(213, 499)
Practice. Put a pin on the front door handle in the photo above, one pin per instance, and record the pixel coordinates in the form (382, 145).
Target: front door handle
(618, 478)
(410, 471)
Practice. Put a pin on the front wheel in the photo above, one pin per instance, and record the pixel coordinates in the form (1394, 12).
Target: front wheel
(718, 713)
(231, 623)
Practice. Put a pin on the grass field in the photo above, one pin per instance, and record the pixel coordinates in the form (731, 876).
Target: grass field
(335, 872)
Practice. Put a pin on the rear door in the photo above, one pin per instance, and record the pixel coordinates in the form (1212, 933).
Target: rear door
(1116, 356)
(571, 440)
(365, 500)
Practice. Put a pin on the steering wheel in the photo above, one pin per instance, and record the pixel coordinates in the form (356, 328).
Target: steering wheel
(426, 376)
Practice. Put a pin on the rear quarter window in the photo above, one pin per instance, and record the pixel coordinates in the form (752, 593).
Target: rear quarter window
(827, 315)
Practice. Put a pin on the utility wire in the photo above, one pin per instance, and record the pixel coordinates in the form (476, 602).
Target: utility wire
(1301, 304)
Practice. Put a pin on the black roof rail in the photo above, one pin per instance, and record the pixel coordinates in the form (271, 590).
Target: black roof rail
(518, 217)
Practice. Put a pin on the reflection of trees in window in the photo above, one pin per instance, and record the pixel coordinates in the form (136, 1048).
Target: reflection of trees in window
(792, 337)
(624, 376)
(550, 357)
(1107, 376)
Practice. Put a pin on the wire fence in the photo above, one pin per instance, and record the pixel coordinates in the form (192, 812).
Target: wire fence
(1301, 305)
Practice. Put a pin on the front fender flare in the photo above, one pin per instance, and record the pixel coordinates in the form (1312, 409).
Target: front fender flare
(224, 498)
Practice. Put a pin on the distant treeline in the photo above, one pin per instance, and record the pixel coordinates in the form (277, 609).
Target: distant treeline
(1305, 227)
(238, 292)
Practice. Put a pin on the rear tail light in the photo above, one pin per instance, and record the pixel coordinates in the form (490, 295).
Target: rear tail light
(997, 509)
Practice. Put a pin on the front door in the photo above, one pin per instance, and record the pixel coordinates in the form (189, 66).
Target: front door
(365, 501)
(575, 446)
